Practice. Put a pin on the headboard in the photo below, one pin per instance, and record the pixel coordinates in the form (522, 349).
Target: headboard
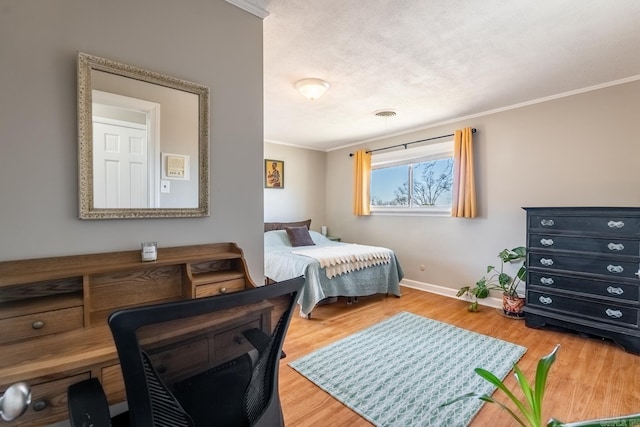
(270, 226)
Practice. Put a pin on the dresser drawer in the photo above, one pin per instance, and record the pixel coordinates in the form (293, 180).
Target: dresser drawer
(48, 402)
(220, 288)
(602, 266)
(577, 307)
(39, 324)
(610, 224)
(597, 288)
(608, 245)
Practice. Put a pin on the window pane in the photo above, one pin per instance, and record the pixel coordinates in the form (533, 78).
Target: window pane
(389, 186)
(432, 183)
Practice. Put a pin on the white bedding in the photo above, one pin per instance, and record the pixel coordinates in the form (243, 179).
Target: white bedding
(282, 263)
(341, 259)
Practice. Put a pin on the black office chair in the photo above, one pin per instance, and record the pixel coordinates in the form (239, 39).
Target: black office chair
(175, 372)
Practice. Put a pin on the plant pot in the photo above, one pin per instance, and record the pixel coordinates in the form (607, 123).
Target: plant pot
(513, 305)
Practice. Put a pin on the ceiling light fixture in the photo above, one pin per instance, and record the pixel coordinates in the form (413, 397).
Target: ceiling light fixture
(312, 88)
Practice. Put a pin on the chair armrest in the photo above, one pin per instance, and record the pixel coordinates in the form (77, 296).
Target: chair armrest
(88, 404)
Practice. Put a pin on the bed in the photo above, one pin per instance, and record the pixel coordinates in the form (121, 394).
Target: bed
(371, 270)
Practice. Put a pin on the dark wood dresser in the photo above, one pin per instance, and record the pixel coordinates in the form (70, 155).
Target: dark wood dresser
(583, 266)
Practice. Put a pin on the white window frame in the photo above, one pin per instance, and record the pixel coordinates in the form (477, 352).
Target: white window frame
(384, 159)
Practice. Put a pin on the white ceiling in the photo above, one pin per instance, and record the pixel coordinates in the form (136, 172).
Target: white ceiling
(433, 61)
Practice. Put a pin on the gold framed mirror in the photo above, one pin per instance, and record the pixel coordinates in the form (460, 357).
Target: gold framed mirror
(143, 143)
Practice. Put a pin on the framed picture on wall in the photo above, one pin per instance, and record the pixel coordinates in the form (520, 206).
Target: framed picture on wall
(273, 173)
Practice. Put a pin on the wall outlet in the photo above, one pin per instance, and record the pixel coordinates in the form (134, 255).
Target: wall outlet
(165, 186)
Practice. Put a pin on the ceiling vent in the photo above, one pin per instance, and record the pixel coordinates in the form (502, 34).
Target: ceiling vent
(385, 113)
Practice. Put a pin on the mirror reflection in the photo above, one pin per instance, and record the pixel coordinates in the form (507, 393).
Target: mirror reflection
(143, 142)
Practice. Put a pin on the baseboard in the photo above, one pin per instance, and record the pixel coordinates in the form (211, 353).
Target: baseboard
(448, 292)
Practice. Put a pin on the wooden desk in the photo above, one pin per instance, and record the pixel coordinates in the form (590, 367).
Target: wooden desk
(53, 315)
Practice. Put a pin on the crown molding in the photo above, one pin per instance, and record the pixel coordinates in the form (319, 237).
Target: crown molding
(254, 7)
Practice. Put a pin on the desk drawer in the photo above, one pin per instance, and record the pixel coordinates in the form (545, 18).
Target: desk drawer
(182, 361)
(579, 307)
(39, 324)
(220, 288)
(113, 383)
(231, 344)
(48, 402)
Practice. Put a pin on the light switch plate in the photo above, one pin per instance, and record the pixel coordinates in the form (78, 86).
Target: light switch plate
(165, 186)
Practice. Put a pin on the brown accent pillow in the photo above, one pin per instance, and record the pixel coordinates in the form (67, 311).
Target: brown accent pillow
(270, 226)
(299, 236)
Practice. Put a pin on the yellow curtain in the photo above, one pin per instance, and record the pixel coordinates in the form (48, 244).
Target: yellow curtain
(463, 204)
(361, 197)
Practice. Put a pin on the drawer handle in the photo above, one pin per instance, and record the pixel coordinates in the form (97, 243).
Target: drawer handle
(38, 324)
(39, 405)
(615, 224)
(614, 268)
(547, 223)
(615, 291)
(546, 242)
(547, 262)
(223, 290)
(615, 314)
(615, 246)
(238, 339)
(15, 401)
(546, 280)
(545, 300)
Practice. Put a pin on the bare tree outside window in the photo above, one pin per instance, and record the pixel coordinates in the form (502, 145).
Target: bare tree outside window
(427, 191)
(434, 180)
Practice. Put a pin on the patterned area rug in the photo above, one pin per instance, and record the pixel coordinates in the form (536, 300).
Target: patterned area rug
(399, 371)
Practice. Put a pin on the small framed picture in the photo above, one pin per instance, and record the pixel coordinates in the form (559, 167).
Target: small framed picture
(175, 166)
(273, 173)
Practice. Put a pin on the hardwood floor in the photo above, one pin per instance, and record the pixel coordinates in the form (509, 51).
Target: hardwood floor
(591, 378)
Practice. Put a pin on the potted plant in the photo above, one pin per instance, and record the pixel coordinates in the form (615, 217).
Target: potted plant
(494, 279)
(527, 411)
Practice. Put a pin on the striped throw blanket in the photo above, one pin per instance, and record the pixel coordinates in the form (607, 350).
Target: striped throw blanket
(337, 260)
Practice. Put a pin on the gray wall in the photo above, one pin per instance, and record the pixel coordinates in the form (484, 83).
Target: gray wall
(579, 150)
(205, 41)
(303, 195)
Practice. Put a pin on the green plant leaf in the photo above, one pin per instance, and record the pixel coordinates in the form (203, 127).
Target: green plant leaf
(542, 371)
(522, 272)
(504, 279)
(462, 291)
(488, 399)
(521, 251)
(489, 268)
(623, 421)
(482, 292)
(529, 394)
(500, 385)
(473, 307)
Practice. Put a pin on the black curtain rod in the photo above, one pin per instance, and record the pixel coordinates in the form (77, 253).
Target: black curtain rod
(409, 143)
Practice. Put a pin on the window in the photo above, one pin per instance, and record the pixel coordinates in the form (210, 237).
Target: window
(413, 181)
